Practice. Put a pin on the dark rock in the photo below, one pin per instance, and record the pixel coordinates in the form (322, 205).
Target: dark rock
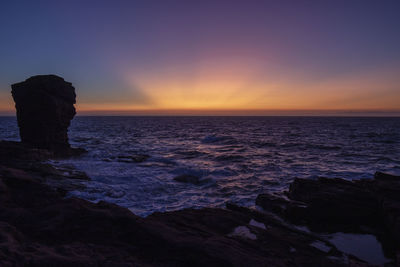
(45, 107)
(334, 202)
(15, 151)
(370, 206)
(272, 203)
(386, 177)
(294, 211)
(38, 227)
(69, 152)
(17, 158)
(28, 158)
(187, 178)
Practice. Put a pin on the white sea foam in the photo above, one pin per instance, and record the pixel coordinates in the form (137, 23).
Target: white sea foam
(244, 232)
(239, 157)
(257, 224)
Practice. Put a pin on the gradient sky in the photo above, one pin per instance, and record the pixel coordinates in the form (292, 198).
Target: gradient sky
(207, 56)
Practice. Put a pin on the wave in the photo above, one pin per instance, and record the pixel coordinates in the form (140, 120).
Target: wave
(221, 140)
(242, 155)
(323, 147)
(230, 158)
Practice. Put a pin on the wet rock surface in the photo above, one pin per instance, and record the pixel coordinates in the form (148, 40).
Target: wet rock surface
(335, 202)
(16, 156)
(369, 206)
(40, 227)
(45, 107)
(76, 232)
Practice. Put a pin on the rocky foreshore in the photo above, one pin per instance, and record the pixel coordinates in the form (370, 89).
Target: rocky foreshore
(39, 226)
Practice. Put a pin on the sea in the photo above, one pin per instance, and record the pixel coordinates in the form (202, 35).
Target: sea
(133, 161)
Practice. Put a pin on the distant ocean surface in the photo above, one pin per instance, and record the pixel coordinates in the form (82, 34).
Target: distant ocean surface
(237, 158)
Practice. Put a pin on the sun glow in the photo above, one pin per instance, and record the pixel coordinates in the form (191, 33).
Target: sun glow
(239, 87)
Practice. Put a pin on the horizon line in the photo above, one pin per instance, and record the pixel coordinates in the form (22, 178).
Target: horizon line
(233, 112)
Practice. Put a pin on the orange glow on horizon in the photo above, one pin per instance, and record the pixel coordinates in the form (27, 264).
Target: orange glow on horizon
(239, 87)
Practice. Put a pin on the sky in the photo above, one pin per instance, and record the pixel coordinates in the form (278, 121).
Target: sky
(208, 57)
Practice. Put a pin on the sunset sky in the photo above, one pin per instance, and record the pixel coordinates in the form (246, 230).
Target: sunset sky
(207, 57)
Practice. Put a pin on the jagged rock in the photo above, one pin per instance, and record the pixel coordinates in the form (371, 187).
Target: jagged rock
(369, 206)
(293, 210)
(335, 202)
(18, 159)
(38, 227)
(24, 156)
(386, 177)
(45, 107)
(272, 203)
(14, 152)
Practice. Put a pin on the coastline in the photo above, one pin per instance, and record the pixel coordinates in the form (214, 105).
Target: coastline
(40, 226)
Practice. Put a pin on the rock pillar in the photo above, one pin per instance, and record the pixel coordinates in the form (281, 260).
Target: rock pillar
(45, 108)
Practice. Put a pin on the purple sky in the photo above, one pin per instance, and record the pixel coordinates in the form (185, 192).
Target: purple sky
(147, 56)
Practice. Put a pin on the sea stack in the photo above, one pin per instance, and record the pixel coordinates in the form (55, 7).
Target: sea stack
(45, 108)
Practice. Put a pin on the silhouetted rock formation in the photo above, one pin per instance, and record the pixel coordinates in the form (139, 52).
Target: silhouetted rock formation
(335, 205)
(45, 107)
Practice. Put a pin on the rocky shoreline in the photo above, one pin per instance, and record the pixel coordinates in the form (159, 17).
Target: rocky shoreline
(39, 226)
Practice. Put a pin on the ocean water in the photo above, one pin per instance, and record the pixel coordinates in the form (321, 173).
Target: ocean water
(236, 158)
